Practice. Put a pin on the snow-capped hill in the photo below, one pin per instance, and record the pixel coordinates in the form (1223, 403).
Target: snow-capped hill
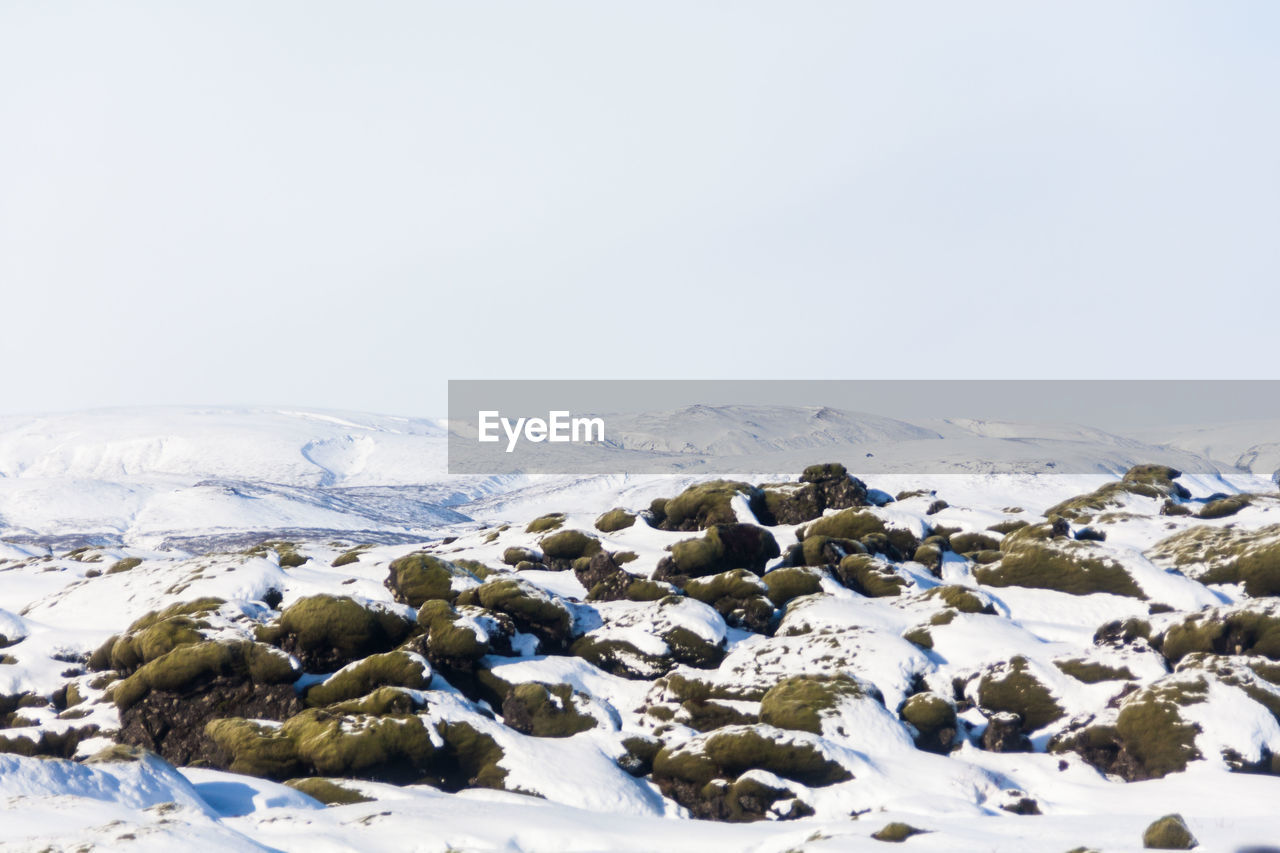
(298, 448)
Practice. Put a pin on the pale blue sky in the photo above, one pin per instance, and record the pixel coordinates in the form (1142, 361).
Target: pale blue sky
(346, 204)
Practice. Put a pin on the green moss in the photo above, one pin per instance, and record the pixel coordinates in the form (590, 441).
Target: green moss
(477, 755)
(545, 710)
(415, 578)
(328, 791)
(801, 702)
(1224, 507)
(196, 607)
(619, 657)
(255, 749)
(896, 832)
(919, 636)
(333, 629)
(1250, 629)
(964, 543)
(382, 702)
(1148, 481)
(532, 609)
(515, 556)
(724, 547)
(394, 669)
(1077, 568)
(929, 556)
(346, 558)
(124, 565)
(543, 523)
(1093, 672)
(1006, 527)
(1168, 833)
(788, 583)
(729, 752)
(963, 599)
(688, 648)
(188, 664)
(706, 715)
(647, 590)
(933, 718)
(615, 520)
(447, 636)
(738, 583)
(1152, 729)
(705, 504)
(624, 557)
(828, 551)
(130, 651)
(1012, 688)
(870, 576)
(569, 545)
(378, 747)
(1213, 554)
(846, 524)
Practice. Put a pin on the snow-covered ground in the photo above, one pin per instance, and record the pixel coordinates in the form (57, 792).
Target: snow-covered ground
(196, 477)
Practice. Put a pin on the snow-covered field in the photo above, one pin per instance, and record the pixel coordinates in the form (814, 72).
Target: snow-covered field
(817, 661)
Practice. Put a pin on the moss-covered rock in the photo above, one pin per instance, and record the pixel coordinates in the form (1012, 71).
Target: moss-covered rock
(545, 710)
(1093, 672)
(729, 752)
(331, 792)
(963, 598)
(821, 487)
(124, 565)
(1155, 482)
(1224, 555)
(419, 577)
(896, 832)
(827, 550)
(393, 669)
(346, 558)
(870, 576)
(803, 702)
(187, 665)
(1169, 833)
(476, 756)
(254, 748)
(967, 543)
(615, 520)
(389, 749)
(544, 523)
(326, 632)
(707, 504)
(722, 548)
(568, 545)
(1252, 628)
(1224, 507)
(933, 719)
(738, 595)
(791, 582)
(1013, 688)
(1077, 568)
(532, 609)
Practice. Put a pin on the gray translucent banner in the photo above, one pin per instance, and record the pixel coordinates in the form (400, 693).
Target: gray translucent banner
(873, 426)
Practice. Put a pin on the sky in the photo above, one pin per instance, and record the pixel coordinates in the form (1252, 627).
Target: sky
(345, 205)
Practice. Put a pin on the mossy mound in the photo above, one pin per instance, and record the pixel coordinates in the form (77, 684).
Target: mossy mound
(615, 520)
(1224, 507)
(896, 832)
(568, 545)
(1213, 555)
(729, 752)
(967, 543)
(392, 669)
(1249, 629)
(124, 565)
(963, 599)
(1077, 568)
(870, 576)
(1169, 833)
(415, 578)
(131, 650)
(254, 748)
(453, 642)
(327, 632)
(395, 748)
(328, 791)
(846, 524)
(514, 556)
(543, 523)
(821, 487)
(545, 710)
(788, 583)
(346, 558)
(532, 609)
(187, 665)
(476, 756)
(1148, 481)
(722, 548)
(827, 550)
(803, 702)
(1149, 737)
(707, 504)
(1093, 672)
(934, 720)
(620, 657)
(1014, 689)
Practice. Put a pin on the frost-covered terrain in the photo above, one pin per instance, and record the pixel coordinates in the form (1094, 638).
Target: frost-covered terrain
(999, 661)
